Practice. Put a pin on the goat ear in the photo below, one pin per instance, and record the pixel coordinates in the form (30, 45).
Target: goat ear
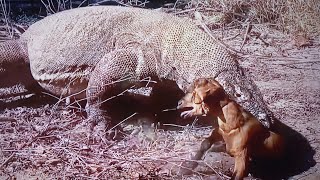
(221, 92)
(213, 94)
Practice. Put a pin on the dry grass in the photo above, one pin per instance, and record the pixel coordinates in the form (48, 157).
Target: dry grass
(302, 15)
(49, 142)
(6, 32)
(290, 16)
(8, 29)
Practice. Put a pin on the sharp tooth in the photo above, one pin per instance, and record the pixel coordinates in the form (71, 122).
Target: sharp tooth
(185, 114)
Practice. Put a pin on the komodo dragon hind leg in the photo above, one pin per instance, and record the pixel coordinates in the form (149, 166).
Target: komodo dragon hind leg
(111, 76)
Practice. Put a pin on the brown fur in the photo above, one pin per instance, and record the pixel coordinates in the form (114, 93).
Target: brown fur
(243, 134)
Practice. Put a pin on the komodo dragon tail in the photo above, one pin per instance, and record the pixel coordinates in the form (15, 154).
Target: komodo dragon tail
(14, 65)
(13, 52)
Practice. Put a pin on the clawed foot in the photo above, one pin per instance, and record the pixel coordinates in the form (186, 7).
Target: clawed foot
(102, 130)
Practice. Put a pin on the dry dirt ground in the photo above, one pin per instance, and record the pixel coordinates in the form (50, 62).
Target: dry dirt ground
(41, 138)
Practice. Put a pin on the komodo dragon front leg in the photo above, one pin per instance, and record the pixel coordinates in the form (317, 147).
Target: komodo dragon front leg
(106, 82)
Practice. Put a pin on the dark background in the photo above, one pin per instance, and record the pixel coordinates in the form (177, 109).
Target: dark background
(32, 7)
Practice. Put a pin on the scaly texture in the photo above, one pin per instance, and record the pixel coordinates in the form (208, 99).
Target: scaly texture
(94, 46)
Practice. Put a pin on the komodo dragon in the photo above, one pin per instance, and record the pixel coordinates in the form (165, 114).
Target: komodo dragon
(82, 51)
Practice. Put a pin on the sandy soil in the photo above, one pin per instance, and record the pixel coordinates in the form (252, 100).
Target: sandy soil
(288, 77)
(41, 138)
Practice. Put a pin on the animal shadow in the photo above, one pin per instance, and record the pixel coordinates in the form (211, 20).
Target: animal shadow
(34, 101)
(298, 157)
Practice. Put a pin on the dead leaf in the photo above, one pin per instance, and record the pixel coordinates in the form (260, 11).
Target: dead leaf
(301, 40)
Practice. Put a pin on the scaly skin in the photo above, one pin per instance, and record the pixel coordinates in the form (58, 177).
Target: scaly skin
(81, 52)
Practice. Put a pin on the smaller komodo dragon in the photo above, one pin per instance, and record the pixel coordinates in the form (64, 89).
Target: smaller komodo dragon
(82, 52)
(244, 136)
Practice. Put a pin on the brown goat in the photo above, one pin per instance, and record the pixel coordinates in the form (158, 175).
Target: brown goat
(244, 135)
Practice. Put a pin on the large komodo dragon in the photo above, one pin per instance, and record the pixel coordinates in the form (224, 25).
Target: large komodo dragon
(82, 51)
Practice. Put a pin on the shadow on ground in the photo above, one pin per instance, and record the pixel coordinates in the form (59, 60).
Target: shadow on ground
(297, 159)
(34, 101)
(298, 154)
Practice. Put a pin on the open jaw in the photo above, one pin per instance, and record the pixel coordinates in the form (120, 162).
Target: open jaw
(187, 112)
(189, 107)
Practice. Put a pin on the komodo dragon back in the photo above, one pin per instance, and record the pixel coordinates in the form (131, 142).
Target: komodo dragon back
(89, 48)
